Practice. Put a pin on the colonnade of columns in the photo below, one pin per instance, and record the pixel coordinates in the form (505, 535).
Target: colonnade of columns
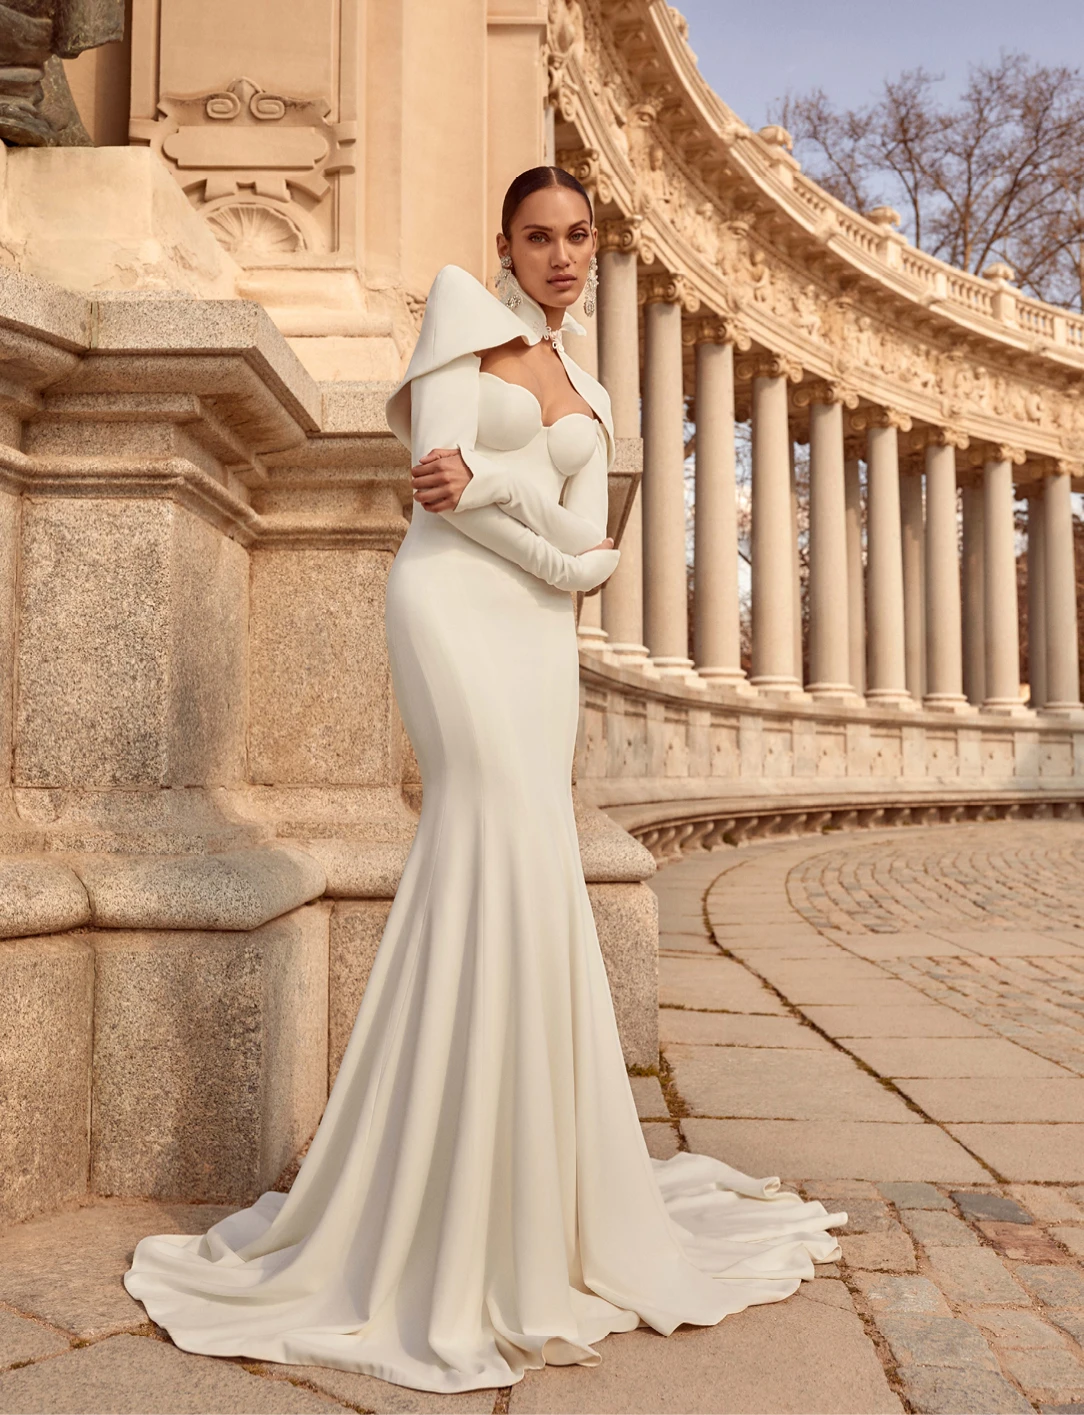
(912, 589)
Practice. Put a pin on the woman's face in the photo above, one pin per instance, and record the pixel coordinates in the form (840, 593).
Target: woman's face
(552, 242)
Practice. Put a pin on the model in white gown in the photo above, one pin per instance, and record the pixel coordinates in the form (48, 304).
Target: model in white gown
(478, 1199)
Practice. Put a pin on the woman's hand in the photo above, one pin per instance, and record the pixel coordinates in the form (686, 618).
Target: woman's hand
(439, 478)
(607, 544)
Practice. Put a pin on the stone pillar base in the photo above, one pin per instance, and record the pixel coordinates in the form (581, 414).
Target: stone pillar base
(1007, 707)
(772, 686)
(891, 697)
(947, 702)
(1069, 712)
(841, 693)
(732, 678)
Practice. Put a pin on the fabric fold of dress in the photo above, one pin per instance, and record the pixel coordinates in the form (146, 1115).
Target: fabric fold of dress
(478, 1199)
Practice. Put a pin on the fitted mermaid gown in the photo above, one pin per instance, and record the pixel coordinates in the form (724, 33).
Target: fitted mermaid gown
(478, 1199)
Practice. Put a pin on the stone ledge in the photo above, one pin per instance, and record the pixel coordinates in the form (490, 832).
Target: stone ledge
(40, 897)
(240, 890)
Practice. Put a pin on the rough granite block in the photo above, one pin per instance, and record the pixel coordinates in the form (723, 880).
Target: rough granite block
(210, 1057)
(47, 987)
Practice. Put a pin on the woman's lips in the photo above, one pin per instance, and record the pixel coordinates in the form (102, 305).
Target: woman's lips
(563, 281)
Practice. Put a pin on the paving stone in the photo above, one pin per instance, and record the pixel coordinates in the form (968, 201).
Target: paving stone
(790, 1358)
(915, 1195)
(1022, 1244)
(936, 1341)
(1002, 1099)
(840, 1189)
(933, 1226)
(1048, 1202)
(975, 1275)
(1072, 1238)
(990, 1206)
(661, 1138)
(1054, 1152)
(868, 1216)
(66, 1268)
(1070, 1321)
(677, 1024)
(879, 1252)
(721, 983)
(1049, 1375)
(921, 1020)
(356, 1391)
(24, 1340)
(650, 1102)
(732, 1082)
(843, 1150)
(940, 1391)
(901, 1296)
(1016, 1331)
(1056, 1286)
(951, 1056)
(137, 1375)
(994, 943)
(830, 1290)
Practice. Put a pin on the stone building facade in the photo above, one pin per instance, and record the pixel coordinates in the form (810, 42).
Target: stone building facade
(206, 794)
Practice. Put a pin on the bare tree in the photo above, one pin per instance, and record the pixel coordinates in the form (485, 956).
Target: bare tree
(997, 176)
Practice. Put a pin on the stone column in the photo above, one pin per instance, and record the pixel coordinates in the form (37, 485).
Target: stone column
(974, 602)
(1036, 598)
(829, 621)
(885, 614)
(999, 584)
(795, 567)
(913, 531)
(944, 645)
(716, 628)
(583, 348)
(665, 589)
(619, 373)
(1062, 655)
(772, 541)
(856, 576)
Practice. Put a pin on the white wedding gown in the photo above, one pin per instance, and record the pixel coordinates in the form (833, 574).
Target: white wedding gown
(478, 1199)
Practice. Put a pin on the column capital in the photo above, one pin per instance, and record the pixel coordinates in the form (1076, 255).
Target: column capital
(764, 364)
(620, 233)
(999, 452)
(665, 287)
(947, 437)
(585, 164)
(868, 416)
(825, 390)
(717, 329)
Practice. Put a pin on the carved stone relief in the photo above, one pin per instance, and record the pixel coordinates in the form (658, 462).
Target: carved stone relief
(259, 166)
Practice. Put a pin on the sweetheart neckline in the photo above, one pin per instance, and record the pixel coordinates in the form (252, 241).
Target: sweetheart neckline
(591, 417)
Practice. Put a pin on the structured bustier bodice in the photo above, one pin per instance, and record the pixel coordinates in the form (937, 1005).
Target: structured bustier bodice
(510, 418)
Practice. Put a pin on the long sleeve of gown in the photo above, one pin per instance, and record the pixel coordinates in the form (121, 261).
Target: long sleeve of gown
(444, 413)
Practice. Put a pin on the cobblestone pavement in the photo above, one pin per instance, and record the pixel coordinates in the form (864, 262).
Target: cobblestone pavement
(892, 1021)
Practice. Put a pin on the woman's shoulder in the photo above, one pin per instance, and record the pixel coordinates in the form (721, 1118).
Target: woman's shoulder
(461, 317)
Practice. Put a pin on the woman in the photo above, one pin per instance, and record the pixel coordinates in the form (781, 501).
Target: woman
(478, 1199)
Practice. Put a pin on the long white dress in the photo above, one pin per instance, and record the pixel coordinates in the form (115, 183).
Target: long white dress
(478, 1199)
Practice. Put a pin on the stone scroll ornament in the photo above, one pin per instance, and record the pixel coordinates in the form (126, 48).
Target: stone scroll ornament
(36, 106)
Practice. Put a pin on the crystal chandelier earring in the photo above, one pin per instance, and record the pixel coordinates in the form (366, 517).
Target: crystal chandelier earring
(590, 287)
(507, 284)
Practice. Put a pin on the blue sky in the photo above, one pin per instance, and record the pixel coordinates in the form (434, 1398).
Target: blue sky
(752, 54)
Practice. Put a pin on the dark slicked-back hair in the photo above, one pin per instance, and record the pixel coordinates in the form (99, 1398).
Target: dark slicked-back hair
(535, 179)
